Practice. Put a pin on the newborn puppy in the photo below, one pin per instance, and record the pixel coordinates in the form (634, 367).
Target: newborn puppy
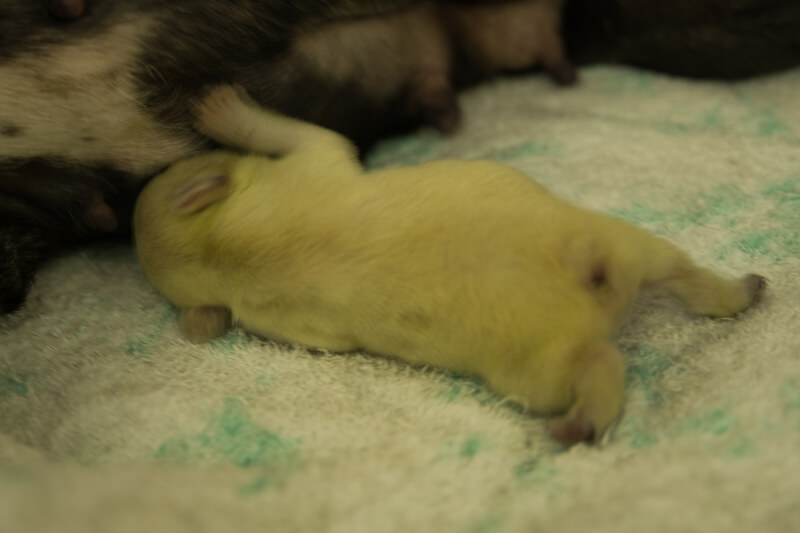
(509, 36)
(465, 265)
(714, 39)
(410, 60)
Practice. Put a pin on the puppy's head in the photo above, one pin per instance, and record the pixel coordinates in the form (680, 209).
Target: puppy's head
(176, 218)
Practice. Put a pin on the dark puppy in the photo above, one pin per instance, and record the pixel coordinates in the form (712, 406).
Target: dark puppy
(725, 39)
(409, 61)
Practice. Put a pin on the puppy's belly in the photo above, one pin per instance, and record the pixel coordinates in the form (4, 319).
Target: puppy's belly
(299, 328)
(494, 322)
(296, 317)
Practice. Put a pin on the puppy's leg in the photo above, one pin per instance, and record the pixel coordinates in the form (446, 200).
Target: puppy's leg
(556, 63)
(700, 289)
(201, 324)
(613, 270)
(436, 101)
(598, 387)
(705, 293)
(228, 115)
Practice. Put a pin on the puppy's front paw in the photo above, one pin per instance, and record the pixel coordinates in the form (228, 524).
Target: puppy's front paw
(201, 324)
(755, 285)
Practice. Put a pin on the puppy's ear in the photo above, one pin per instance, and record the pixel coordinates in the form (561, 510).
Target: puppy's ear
(200, 192)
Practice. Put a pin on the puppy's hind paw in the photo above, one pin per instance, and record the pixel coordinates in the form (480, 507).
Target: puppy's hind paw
(569, 430)
(439, 107)
(562, 72)
(218, 112)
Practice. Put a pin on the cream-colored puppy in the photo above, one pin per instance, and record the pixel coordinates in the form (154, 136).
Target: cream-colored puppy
(464, 265)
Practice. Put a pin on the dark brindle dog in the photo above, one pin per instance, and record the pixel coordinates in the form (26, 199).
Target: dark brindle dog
(94, 94)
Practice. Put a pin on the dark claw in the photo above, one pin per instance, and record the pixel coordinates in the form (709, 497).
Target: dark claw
(66, 9)
(563, 73)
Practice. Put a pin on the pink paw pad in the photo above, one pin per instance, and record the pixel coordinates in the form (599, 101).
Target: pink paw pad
(571, 431)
